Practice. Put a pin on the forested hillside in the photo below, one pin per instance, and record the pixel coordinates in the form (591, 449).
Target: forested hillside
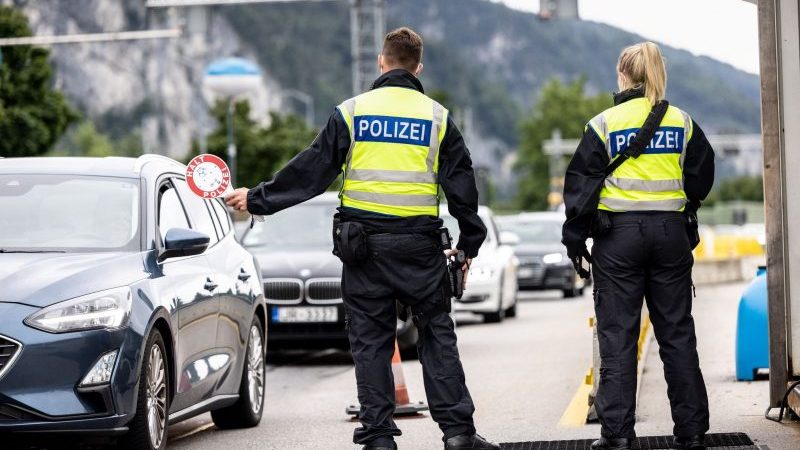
(486, 57)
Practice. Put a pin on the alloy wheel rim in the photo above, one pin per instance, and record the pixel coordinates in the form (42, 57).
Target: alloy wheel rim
(156, 396)
(255, 370)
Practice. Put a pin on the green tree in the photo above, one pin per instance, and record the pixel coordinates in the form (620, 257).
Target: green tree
(742, 188)
(563, 107)
(83, 140)
(261, 150)
(32, 114)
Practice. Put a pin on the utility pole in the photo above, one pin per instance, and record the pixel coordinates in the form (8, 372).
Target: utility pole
(557, 149)
(367, 28)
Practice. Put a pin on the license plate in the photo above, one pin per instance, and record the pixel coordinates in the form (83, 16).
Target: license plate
(526, 273)
(305, 314)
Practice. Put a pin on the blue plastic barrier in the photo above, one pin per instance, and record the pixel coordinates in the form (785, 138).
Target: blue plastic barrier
(752, 335)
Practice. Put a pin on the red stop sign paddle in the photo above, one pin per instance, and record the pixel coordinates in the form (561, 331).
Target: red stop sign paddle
(208, 176)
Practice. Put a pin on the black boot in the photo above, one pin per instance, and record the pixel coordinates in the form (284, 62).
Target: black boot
(696, 442)
(469, 442)
(611, 444)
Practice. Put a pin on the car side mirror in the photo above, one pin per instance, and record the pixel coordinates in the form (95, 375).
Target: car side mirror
(509, 238)
(182, 242)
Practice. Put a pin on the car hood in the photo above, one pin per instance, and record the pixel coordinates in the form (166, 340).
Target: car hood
(42, 279)
(538, 249)
(298, 263)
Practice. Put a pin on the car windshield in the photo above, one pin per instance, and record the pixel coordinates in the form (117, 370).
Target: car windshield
(451, 224)
(68, 213)
(533, 231)
(303, 226)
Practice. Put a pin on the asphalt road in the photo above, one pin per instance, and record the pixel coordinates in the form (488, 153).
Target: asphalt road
(522, 374)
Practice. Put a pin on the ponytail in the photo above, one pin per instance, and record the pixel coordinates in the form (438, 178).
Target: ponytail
(643, 66)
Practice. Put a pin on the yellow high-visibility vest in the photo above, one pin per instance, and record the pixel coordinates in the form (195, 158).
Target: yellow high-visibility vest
(393, 162)
(654, 180)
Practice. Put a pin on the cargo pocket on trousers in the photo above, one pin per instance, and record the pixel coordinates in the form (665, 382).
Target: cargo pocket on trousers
(605, 308)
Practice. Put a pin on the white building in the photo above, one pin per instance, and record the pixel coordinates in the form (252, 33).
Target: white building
(558, 9)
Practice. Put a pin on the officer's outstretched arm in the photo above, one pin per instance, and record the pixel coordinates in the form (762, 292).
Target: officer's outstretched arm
(307, 175)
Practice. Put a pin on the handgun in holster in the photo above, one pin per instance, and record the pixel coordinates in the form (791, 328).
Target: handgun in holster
(455, 274)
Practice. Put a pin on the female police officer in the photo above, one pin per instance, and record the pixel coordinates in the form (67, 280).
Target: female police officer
(639, 216)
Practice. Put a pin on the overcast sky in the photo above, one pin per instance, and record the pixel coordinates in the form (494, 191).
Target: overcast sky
(722, 29)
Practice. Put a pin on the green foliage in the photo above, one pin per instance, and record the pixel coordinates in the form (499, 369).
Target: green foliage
(32, 114)
(561, 106)
(84, 140)
(744, 188)
(261, 150)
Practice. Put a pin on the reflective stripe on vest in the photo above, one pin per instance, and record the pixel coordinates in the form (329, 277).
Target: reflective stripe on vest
(393, 161)
(654, 180)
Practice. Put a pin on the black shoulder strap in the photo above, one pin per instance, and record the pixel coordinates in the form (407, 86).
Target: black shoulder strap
(643, 137)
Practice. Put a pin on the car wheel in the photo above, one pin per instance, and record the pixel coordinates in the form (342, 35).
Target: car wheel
(495, 317)
(247, 411)
(148, 429)
(512, 311)
(572, 292)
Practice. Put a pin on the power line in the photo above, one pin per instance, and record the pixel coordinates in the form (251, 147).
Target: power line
(181, 3)
(92, 37)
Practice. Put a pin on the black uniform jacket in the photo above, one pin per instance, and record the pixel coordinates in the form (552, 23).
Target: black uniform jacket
(312, 171)
(585, 176)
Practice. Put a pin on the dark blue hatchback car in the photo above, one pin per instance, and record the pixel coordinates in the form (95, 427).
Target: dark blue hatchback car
(126, 304)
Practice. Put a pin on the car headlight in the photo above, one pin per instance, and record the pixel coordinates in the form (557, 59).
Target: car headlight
(480, 274)
(553, 258)
(104, 309)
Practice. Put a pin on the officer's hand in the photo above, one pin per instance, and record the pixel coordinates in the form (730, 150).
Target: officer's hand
(580, 257)
(237, 199)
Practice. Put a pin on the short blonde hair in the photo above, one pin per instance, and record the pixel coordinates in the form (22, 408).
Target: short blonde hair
(643, 65)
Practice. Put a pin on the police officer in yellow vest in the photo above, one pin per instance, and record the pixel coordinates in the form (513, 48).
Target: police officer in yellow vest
(396, 147)
(641, 218)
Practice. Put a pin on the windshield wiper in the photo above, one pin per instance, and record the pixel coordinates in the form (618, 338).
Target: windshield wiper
(6, 250)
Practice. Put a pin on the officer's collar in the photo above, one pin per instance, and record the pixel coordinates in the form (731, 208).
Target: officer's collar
(398, 78)
(624, 96)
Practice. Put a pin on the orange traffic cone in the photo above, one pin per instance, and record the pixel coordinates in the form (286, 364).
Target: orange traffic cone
(403, 405)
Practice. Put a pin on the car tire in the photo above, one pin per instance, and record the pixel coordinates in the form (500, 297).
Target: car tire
(573, 292)
(148, 429)
(512, 311)
(247, 411)
(495, 317)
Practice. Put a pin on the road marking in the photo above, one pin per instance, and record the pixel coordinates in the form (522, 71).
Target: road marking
(578, 409)
(577, 412)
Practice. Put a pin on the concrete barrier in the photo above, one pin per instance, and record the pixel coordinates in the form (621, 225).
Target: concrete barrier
(711, 271)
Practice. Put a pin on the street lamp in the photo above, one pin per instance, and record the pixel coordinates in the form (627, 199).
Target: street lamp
(229, 78)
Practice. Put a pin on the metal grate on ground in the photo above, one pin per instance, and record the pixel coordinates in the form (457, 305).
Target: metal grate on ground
(722, 441)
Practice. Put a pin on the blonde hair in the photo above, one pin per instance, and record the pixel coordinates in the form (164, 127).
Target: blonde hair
(643, 65)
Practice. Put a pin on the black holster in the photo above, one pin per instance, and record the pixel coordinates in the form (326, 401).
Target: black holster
(601, 224)
(349, 241)
(692, 228)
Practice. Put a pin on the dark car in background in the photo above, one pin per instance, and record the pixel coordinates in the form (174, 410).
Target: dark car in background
(543, 261)
(302, 278)
(126, 303)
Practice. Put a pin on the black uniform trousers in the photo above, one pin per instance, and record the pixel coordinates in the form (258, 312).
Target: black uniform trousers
(646, 255)
(409, 268)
